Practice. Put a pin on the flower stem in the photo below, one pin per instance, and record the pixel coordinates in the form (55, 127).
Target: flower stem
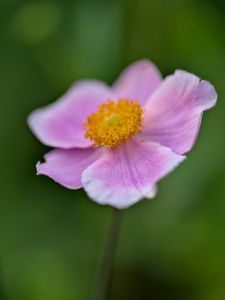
(105, 269)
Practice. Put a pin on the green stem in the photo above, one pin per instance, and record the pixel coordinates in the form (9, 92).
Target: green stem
(105, 269)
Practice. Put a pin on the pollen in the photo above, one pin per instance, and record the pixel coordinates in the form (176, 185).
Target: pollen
(114, 123)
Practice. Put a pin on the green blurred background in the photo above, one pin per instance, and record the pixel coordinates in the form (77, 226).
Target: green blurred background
(172, 247)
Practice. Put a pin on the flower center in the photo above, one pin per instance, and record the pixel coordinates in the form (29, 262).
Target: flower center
(114, 123)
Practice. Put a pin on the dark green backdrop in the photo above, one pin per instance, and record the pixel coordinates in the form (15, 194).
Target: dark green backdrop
(172, 247)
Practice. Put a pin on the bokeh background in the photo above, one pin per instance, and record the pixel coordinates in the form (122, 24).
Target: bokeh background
(172, 247)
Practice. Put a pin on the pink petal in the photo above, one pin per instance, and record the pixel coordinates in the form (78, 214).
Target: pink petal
(66, 166)
(60, 124)
(138, 81)
(173, 113)
(129, 173)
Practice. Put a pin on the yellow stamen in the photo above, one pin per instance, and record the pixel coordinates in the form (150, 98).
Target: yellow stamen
(114, 123)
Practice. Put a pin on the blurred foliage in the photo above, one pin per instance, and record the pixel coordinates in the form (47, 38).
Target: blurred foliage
(172, 247)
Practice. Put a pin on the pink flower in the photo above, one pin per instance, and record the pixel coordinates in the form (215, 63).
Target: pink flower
(118, 142)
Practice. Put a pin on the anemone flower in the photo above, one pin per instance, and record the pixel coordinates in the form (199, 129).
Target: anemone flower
(118, 142)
